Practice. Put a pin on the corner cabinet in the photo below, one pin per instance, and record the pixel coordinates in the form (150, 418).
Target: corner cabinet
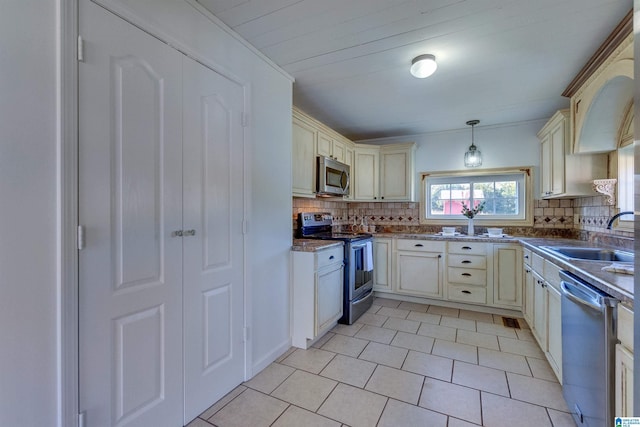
(384, 173)
(317, 293)
(507, 276)
(562, 173)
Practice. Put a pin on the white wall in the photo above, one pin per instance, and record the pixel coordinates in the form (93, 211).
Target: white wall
(501, 146)
(27, 213)
(28, 250)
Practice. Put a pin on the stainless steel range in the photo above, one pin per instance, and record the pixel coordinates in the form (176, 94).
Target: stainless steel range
(358, 261)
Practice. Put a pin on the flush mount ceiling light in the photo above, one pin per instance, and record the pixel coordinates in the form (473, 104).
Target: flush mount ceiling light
(473, 157)
(423, 66)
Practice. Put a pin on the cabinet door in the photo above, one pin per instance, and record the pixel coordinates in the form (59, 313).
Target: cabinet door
(303, 157)
(325, 145)
(339, 151)
(624, 382)
(540, 312)
(328, 296)
(529, 284)
(395, 175)
(554, 327)
(557, 158)
(507, 275)
(382, 262)
(420, 273)
(366, 174)
(546, 168)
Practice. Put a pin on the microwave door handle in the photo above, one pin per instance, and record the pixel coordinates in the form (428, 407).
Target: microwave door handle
(345, 177)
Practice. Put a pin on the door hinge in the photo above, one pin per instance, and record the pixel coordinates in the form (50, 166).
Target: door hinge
(82, 419)
(246, 334)
(81, 237)
(80, 49)
(244, 119)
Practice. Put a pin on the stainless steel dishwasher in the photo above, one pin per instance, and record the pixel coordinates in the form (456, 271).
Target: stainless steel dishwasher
(588, 346)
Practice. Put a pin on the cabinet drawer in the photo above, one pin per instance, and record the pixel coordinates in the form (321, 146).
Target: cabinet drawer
(468, 261)
(467, 294)
(467, 248)
(420, 245)
(329, 256)
(552, 274)
(467, 276)
(526, 256)
(537, 264)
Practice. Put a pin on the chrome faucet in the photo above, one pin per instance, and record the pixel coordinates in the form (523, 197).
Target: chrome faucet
(616, 216)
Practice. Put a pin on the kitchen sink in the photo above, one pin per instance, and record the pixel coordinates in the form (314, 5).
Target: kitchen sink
(592, 254)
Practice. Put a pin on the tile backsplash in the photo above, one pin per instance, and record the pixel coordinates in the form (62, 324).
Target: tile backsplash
(582, 218)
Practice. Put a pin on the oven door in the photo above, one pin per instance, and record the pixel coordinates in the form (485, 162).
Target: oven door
(360, 264)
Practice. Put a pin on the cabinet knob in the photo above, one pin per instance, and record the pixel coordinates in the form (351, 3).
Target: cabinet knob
(331, 257)
(382, 197)
(526, 257)
(439, 255)
(375, 198)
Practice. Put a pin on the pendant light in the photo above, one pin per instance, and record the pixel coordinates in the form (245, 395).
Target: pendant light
(473, 157)
(423, 66)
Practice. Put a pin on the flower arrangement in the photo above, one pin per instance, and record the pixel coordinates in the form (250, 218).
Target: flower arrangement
(470, 213)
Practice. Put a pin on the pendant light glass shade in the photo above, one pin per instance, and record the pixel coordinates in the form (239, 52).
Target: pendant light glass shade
(473, 157)
(423, 66)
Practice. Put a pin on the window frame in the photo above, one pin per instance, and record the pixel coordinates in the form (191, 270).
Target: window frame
(526, 195)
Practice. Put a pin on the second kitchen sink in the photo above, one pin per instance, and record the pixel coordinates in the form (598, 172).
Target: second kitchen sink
(593, 254)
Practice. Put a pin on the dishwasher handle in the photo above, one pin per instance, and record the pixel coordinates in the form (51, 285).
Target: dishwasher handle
(577, 295)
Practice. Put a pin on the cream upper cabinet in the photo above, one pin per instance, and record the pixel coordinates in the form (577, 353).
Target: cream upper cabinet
(331, 147)
(397, 172)
(365, 175)
(384, 173)
(564, 174)
(303, 159)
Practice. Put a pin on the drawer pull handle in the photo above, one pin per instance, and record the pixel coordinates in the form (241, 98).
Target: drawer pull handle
(466, 261)
(466, 292)
(466, 274)
(418, 245)
(331, 257)
(468, 248)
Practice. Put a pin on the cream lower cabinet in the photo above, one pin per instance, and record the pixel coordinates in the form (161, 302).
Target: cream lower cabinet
(528, 287)
(507, 276)
(382, 261)
(554, 330)
(539, 324)
(467, 272)
(420, 268)
(624, 364)
(317, 293)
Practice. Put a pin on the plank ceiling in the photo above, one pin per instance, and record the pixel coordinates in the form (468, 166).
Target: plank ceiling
(499, 61)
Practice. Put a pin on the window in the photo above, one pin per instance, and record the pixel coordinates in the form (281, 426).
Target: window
(506, 195)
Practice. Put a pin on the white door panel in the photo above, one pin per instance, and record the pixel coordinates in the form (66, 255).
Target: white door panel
(130, 195)
(214, 256)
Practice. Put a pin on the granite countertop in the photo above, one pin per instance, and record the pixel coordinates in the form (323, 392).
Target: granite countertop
(619, 286)
(311, 245)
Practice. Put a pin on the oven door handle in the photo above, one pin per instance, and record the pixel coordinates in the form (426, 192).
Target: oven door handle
(363, 296)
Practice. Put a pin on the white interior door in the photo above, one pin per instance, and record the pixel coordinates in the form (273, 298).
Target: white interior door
(130, 200)
(214, 255)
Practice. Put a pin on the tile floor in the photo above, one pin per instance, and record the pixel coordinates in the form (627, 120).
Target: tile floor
(403, 364)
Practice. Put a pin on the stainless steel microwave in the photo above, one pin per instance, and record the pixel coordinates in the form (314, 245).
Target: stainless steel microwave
(332, 177)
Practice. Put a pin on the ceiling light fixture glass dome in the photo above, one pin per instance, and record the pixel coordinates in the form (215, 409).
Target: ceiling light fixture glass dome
(423, 66)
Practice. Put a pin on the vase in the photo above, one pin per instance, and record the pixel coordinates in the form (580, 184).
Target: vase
(470, 230)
